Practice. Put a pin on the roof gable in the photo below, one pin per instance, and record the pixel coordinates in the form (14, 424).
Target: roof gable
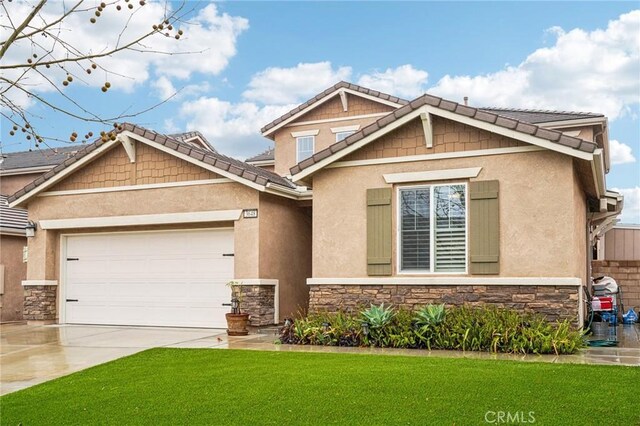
(324, 96)
(231, 168)
(113, 169)
(448, 136)
(428, 104)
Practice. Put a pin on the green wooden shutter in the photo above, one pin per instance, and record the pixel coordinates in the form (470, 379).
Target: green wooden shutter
(484, 227)
(379, 231)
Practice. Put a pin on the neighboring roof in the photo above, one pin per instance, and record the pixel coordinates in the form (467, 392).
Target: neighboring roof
(331, 90)
(215, 159)
(268, 155)
(12, 220)
(463, 110)
(536, 116)
(185, 137)
(37, 158)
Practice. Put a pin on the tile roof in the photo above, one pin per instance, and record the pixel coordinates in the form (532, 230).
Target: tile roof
(535, 116)
(215, 159)
(329, 91)
(467, 111)
(182, 137)
(11, 218)
(37, 158)
(268, 155)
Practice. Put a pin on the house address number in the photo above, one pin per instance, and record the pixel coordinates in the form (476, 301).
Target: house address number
(250, 213)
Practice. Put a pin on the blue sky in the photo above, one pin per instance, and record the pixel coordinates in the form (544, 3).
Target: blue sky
(264, 57)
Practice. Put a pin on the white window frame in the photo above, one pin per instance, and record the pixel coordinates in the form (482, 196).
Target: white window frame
(313, 147)
(348, 132)
(432, 236)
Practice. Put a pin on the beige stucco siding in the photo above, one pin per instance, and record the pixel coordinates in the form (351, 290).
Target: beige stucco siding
(285, 144)
(537, 222)
(14, 272)
(44, 246)
(285, 250)
(580, 243)
(12, 183)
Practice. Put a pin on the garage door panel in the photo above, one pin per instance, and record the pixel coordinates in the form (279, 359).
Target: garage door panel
(157, 278)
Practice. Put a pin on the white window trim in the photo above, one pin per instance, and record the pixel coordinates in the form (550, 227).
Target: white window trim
(313, 147)
(432, 235)
(432, 175)
(302, 133)
(353, 128)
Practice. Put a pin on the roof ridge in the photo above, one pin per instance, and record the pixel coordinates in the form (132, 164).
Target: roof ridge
(541, 111)
(78, 145)
(265, 152)
(339, 85)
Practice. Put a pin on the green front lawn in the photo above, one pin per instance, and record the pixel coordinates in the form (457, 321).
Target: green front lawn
(204, 386)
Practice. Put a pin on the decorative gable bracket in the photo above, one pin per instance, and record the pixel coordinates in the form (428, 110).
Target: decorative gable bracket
(343, 98)
(428, 129)
(129, 146)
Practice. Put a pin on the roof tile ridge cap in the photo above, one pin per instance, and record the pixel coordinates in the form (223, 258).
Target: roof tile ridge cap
(542, 111)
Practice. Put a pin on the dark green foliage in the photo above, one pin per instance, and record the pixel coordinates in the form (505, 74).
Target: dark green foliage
(464, 328)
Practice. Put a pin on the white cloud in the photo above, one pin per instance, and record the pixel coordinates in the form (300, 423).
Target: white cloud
(404, 81)
(587, 71)
(620, 153)
(232, 128)
(166, 90)
(631, 208)
(280, 86)
(209, 31)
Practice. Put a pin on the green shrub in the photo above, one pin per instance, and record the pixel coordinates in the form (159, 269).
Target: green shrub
(434, 327)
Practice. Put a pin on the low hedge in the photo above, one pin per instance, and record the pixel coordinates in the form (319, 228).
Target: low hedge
(487, 329)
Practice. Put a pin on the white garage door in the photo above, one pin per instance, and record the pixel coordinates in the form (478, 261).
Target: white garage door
(164, 278)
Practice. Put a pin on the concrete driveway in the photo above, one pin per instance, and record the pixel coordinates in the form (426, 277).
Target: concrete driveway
(30, 354)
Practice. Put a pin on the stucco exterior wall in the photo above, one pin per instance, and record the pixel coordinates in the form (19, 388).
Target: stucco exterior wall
(580, 242)
(536, 226)
(10, 184)
(225, 196)
(285, 144)
(285, 250)
(11, 300)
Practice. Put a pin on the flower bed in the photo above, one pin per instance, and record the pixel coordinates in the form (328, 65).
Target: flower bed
(486, 329)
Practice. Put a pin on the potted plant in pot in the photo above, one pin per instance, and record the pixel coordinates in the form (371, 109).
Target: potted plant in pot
(236, 320)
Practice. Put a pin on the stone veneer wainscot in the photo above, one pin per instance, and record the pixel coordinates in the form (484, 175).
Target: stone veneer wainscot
(556, 302)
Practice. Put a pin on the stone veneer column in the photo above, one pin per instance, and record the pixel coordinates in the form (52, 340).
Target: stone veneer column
(258, 300)
(40, 299)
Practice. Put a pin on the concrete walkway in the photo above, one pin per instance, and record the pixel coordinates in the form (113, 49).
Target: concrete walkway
(34, 354)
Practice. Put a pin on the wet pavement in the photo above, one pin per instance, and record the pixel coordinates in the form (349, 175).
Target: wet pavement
(34, 354)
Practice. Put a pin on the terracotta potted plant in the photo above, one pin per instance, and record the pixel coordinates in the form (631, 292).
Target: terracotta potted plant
(236, 321)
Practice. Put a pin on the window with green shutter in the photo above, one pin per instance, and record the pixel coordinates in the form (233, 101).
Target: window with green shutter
(484, 227)
(433, 229)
